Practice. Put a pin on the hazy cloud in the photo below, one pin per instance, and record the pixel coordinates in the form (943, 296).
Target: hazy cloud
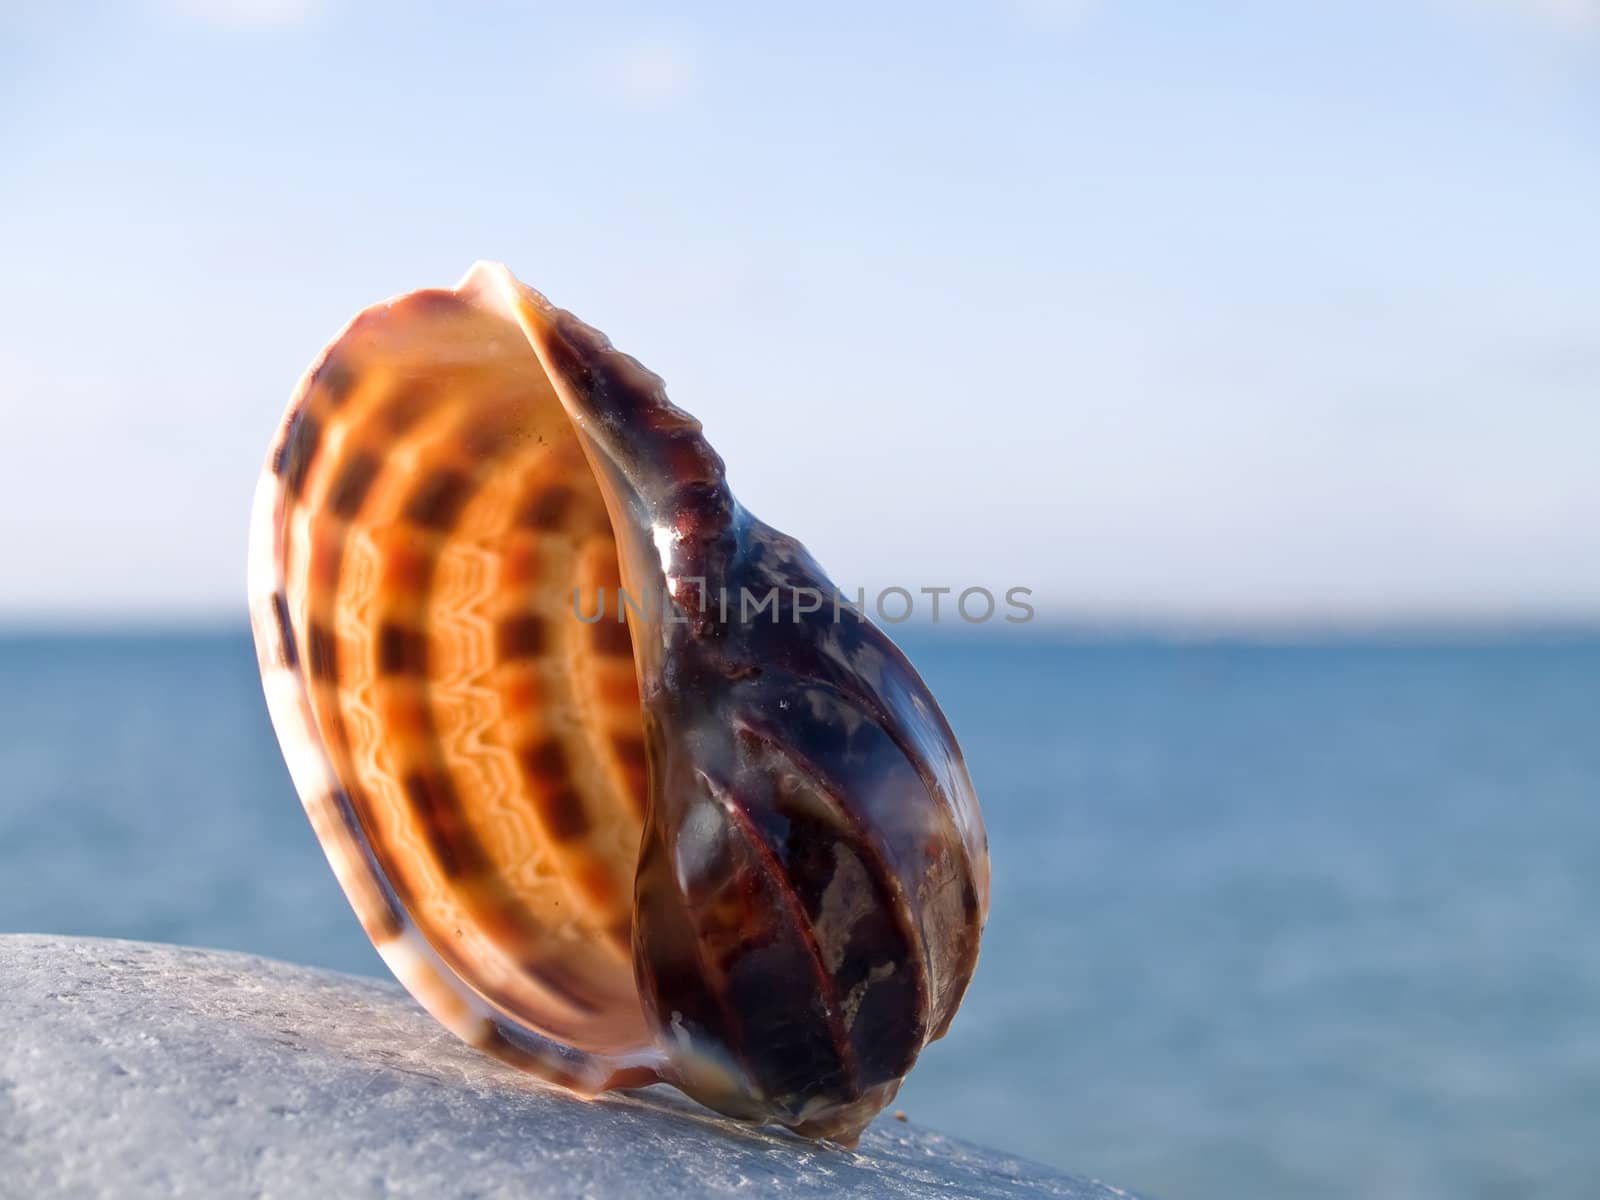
(1053, 14)
(1576, 16)
(646, 75)
(246, 14)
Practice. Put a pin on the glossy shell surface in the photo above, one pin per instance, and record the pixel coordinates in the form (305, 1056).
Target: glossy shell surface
(740, 854)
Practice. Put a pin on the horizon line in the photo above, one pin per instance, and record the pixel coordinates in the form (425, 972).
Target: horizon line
(1081, 627)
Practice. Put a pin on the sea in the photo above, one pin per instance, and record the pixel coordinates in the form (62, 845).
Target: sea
(1271, 918)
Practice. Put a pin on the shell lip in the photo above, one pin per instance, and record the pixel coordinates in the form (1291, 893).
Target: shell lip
(285, 658)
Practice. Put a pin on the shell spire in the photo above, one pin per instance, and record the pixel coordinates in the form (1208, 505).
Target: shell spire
(729, 844)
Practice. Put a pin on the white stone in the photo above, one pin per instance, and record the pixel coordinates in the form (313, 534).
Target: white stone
(133, 1070)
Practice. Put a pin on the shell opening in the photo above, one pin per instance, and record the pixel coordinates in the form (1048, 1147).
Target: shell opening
(441, 548)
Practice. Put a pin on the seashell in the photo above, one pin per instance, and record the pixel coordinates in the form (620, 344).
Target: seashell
(741, 855)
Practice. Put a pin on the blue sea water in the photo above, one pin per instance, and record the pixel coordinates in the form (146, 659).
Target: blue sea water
(1305, 920)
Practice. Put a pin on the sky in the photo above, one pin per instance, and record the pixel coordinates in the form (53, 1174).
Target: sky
(1230, 313)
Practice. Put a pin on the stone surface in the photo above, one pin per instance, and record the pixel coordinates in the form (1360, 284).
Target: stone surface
(132, 1070)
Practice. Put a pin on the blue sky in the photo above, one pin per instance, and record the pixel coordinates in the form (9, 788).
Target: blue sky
(1247, 312)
